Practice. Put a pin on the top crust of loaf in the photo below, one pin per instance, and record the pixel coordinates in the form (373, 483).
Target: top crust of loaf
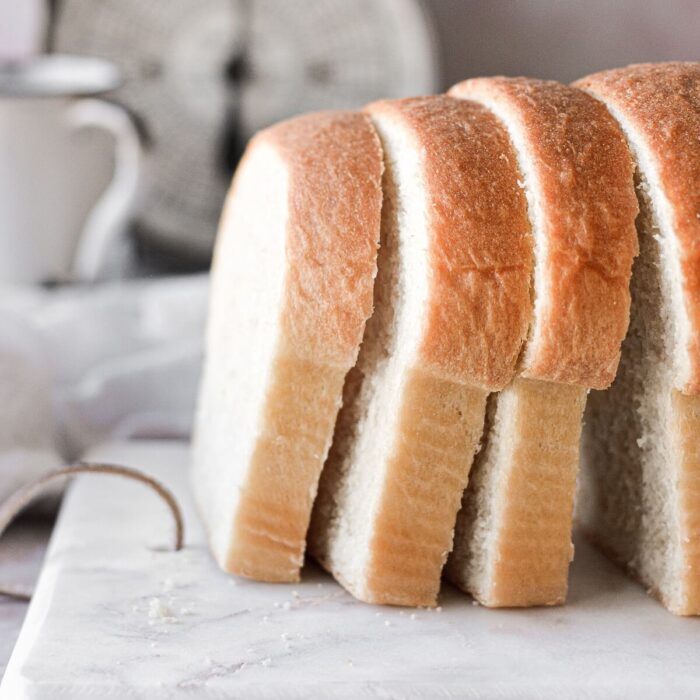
(335, 167)
(583, 173)
(662, 104)
(480, 246)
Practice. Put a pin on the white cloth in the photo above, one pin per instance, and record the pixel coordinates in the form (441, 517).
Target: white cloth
(83, 364)
(27, 437)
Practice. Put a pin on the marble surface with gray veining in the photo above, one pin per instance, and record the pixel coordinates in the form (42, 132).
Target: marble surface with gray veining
(118, 615)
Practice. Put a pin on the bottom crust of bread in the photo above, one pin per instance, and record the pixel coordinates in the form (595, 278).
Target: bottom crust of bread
(272, 516)
(513, 536)
(411, 521)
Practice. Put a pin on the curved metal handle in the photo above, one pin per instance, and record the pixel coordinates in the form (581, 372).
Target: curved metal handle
(109, 217)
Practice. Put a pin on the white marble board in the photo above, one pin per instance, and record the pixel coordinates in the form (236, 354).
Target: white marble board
(116, 615)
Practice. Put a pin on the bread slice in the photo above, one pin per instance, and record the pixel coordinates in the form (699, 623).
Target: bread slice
(513, 535)
(640, 486)
(452, 308)
(291, 289)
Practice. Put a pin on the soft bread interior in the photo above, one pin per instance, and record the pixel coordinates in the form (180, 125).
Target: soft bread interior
(530, 183)
(628, 500)
(657, 220)
(350, 489)
(470, 564)
(513, 534)
(242, 336)
(512, 547)
(638, 496)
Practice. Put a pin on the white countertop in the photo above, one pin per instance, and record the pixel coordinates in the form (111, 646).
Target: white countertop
(118, 615)
(22, 551)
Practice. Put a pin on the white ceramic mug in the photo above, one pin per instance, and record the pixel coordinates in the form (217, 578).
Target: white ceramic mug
(46, 169)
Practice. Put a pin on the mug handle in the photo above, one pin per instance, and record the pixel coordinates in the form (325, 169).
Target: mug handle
(109, 217)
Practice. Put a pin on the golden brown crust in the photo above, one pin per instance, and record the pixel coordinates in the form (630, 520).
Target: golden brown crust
(441, 423)
(480, 243)
(276, 500)
(335, 172)
(662, 103)
(686, 418)
(479, 255)
(335, 165)
(438, 431)
(533, 550)
(585, 186)
(525, 558)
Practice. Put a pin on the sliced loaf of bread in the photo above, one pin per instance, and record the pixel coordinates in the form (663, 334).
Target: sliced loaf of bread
(452, 308)
(513, 536)
(291, 289)
(640, 485)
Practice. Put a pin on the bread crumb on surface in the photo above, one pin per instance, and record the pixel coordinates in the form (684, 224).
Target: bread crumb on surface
(158, 611)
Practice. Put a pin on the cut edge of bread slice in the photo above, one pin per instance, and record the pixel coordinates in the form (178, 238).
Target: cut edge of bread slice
(640, 482)
(451, 312)
(513, 535)
(291, 290)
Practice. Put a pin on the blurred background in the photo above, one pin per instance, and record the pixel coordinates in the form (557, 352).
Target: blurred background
(200, 76)
(121, 122)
